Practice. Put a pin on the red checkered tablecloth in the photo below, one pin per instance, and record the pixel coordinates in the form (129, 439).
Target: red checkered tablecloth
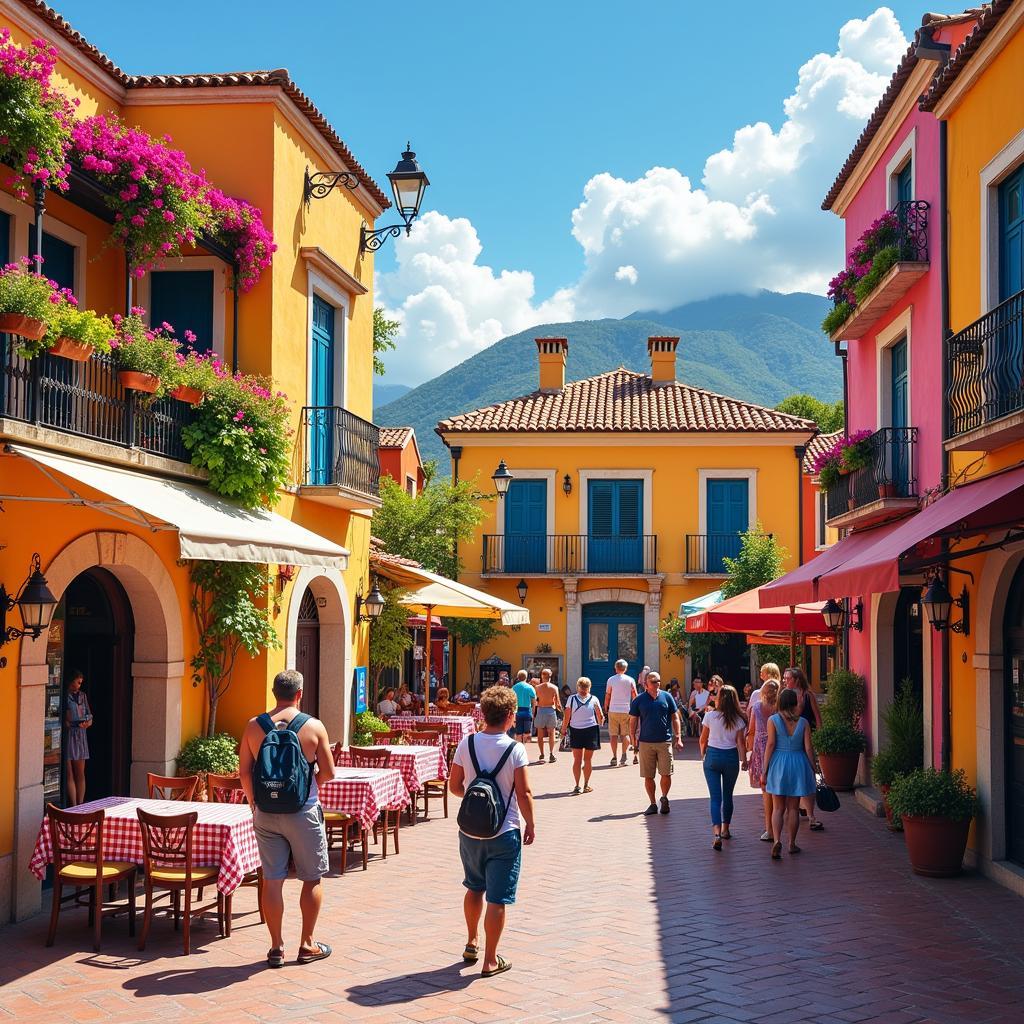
(418, 764)
(458, 726)
(224, 836)
(364, 792)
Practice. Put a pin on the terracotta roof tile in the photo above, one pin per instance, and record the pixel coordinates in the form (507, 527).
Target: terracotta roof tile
(379, 555)
(818, 444)
(623, 400)
(394, 437)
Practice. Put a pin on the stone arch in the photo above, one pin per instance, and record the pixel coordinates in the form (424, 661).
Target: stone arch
(575, 599)
(157, 671)
(328, 586)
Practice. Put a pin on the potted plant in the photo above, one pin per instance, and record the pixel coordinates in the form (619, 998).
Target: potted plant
(857, 451)
(936, 808)
(76, 333)
(203, 754)
(365, 726)
(826, 466)
(27, 303)
(904, 750)
(195, 375)
(840, 742)
(145, 357)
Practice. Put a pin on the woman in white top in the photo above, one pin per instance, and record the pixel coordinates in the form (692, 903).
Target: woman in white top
(723, 746)
(698, 702)
(388, 706)
(583, 720)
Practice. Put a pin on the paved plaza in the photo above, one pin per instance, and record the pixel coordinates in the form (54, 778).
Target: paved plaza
(620, 918)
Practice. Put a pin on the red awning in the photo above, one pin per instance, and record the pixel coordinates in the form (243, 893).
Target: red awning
(744, 614)
(784, 639)
(992, 503)
(801, 585)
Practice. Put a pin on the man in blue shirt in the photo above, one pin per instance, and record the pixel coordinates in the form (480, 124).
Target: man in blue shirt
(526, 700)
(655, 716)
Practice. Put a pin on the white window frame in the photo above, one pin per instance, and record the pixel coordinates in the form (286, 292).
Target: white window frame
(584, 476)
(889, 336)
(320, 286)
(22, 219)
(410, 485)
(992, 175)
(143, 293)
(907, 151)
(704, 475)
(820, 517)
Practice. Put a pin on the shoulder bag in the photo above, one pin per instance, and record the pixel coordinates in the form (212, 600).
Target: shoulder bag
(824, 795)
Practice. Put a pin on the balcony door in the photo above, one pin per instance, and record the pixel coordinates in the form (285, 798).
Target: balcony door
(728, 512)
(321, 394)
(899, 415)
(526, 517)
(615, 526)
(1011, 235)
(905, 183)
(184, 299)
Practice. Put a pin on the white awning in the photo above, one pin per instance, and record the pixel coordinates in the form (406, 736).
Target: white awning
(208, 526)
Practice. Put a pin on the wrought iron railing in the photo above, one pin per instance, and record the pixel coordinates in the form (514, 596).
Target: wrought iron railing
(912, 230)
(339, 449)
(86, 399)
(705, 552)
(891, 473)
(986, 368)
(569, 554)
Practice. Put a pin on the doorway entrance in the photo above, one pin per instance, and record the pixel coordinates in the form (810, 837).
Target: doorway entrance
(307, 653)
(1014, 688)
(611, 631)
(908, 643)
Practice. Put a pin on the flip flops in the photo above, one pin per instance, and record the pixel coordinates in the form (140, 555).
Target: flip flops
(306, 957)
(588, 789)
(471, 953)
(503, 966)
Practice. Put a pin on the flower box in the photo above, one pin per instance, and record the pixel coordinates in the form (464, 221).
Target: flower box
(134, 380)
(190, 396)
(68, 348)
(23, 326)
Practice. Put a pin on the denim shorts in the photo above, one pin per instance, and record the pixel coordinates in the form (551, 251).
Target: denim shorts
(546, 718)
(492, 866)
(524, 723)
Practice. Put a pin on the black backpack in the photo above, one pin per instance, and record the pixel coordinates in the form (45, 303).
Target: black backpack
(281, 775)
(484, 808)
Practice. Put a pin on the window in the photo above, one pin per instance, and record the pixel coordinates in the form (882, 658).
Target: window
(820, 533)
(58, 257)
(615, 526)
(905, 182)
(184, 299)
(410, 486)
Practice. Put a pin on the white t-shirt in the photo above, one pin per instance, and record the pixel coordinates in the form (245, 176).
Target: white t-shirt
(621, 692)
(722, 737)
(489, 748)
(582, 711)
(387, 707)
(700, 698)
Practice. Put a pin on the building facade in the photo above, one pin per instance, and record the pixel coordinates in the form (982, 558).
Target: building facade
(399, 458)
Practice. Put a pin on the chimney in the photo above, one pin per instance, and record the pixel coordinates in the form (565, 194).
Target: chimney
(551, 353)
(663, 359)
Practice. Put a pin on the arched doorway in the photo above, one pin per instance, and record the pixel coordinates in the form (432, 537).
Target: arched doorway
(908, 642)
(1013, 625)
(307, 652)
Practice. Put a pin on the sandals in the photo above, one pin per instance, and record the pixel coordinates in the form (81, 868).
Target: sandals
(794, 849)
(471, 953)
(717, 843)
(726, 835)
(816, 826)
(323, 952)
(767, 837)
(588, 789)
(576, 791)
(275, 958)
(776, 851)
(503, 966)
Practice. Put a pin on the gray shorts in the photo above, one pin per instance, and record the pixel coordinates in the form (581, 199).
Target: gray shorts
(300, 837)
(545, 719)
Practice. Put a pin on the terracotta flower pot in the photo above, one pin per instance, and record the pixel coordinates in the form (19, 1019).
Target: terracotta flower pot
(851, 504)
(133, 380)
(884, 790)
(190, 396)
(24, 326)
(840, 770)
(67, 348)
(887, 490)
(936, 845)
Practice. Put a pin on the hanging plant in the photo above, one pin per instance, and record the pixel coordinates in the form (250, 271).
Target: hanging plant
(35, 118)
(827, 466)
(76, 333)
(28, 305)
(239, 226)
(145, 357)
(856, 451)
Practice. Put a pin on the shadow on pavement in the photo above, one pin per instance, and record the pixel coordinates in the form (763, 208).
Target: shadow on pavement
(408, 987)
(179, 981)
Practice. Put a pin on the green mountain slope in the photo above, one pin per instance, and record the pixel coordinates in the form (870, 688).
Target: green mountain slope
(758, 348)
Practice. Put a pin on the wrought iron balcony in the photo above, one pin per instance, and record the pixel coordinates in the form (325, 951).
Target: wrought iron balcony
(86, 400)
(338, 456)
(569, 555)
(705, 552)
(886, 487)
(986, 379)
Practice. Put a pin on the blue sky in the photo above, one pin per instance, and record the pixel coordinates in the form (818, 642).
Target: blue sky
(513, 114)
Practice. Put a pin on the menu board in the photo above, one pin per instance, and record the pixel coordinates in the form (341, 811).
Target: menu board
(53, 720)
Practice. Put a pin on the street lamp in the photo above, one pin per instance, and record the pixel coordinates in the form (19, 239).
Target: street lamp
(834, 615)
(938, 603)
(567, 484)
(373, 604)
(521, 589)
(35, 604)
(502, 478)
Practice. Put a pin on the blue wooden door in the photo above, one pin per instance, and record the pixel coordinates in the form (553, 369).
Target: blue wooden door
(905, 183)
(611, 631)
(898, 453)
(1003, 359)
(184, 299)
(321, 417)
(526, 517)
(1011, 235)
(615, 526)
(727, 518)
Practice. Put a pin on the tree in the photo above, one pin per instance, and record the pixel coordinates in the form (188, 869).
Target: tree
(230, 610)
(427, 527)
(828, 415)
(699, 646)
(759, 562)
(473, 634)
(389, 635)
(384, 331)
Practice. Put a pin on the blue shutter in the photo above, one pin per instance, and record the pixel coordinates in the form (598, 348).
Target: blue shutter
(58, 258)
(905, 183)
(321, 418)
(615, 519)
(526, 526)
(183, 299)
(1011, 235)
(727, 518)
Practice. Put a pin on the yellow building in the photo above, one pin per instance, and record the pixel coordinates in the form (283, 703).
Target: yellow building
(628, 490)
(100, 486)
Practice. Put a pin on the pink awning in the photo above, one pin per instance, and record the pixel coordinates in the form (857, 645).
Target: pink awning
(991, 503)
(801, 585)
(743, 613)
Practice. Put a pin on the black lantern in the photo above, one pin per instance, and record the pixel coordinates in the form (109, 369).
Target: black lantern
(938, 603)
(834, 614)
(521, 589)
(35, 604)
(408, 183)
(502, 478)
(369, 608)
(567, 484)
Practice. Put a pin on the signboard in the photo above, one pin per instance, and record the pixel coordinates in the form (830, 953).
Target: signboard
(543, 627)
(359, 686)
(417, 652)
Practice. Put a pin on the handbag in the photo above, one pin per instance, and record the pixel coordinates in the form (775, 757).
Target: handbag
(824, 795)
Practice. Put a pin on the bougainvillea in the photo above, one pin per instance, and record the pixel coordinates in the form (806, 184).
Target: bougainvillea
(35, 118)
(239, 225)
(144, 349)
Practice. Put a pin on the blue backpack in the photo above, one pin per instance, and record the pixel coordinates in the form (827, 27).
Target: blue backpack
(484, 807)
(281, 775)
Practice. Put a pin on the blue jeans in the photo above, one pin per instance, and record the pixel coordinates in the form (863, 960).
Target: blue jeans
(721, 769)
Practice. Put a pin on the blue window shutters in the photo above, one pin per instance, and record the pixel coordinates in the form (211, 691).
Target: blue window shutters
(727, 518)
(321, 419)
(615, 526)
(526, 526)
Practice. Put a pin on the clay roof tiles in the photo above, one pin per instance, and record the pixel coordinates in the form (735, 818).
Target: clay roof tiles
(818, 444)
(394, 437)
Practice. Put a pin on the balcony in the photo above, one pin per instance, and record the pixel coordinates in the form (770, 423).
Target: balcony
(569, 555)
(911, 264)
(705, 552)
(48, 400)
(338, 458)
(882, 490)
(986, 380)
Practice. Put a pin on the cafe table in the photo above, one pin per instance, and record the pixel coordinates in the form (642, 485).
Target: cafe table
(456, 726)
(363, 792)
(223, 837)
(418, 764)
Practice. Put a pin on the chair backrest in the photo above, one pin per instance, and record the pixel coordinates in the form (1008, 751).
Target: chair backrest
(171, 787)
(167, 840)
(224, 789)
(390, 737)
(428, 738)
(367, 757)
(337, 752)
(75, 836)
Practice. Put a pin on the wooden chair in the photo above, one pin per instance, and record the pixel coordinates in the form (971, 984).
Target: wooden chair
(390, 819)
(168, 864)
(77, 840)
(389, 738)
(369, 757)
(227, 789)
(170, 787)
(346, 829)
(433, 787)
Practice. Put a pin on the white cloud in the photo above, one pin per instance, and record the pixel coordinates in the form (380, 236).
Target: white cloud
(661, 240)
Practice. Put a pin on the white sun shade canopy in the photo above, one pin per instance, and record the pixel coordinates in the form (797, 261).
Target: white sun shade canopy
(442, 596)
(208, 526)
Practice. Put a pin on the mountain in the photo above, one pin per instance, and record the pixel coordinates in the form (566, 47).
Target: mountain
(759, 348)
(384, 393)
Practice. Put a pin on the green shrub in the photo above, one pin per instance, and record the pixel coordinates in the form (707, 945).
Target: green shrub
(881, 263)
(839, 738)
(81, 325)
(217, 754)
(847, 698)
(837, 316)
(904, 723)
(828, 475)
(884, 768)
(365, 725)
(928, 793)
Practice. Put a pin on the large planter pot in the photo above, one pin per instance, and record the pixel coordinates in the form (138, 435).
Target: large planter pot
(190, 396)
(76, 351)
(132, 380)
(840, 770)
(24, 326)
(936, 845)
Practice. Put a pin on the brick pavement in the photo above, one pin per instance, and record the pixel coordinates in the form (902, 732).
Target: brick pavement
(621, 918)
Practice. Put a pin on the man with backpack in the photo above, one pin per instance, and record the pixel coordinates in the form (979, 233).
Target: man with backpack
(280, 755)
(495, 821)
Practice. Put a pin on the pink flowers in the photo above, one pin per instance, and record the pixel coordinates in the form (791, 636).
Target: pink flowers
(240, 225)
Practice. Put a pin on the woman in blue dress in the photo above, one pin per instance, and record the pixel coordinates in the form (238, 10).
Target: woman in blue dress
(788, 774)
